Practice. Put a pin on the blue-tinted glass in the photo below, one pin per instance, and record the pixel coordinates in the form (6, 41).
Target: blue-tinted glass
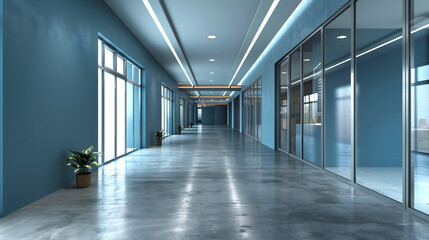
(136, 76)
(338, 95)
(283, 105)
(312, 80)
(295, 102)
(419, 106)
(137, 113)
(379, 96)
(130, 117)
(129, 70)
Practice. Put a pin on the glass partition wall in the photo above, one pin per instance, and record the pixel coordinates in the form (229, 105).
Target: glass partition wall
(252, 109)
(353, 99)
(419, 100)
(295, 103)
(337, 114)
(312, 99)
(119, 103)
(283, 105)
(379, 96)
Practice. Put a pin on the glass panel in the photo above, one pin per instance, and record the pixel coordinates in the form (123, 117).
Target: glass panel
(379, 96)
(136, 76)
(295, 101)
(162, 109)
(182, 112)
(129, 71)
(419, 106)
(245, 106)
(259, 119)
(119, 65)
(100, 51)
(312, 80)
(130, 117)
(120, 117)
(338, 96)
(137, 127)
(109, 117)
(108, 58)
(283, 98)
(255, 99)
(100, 115)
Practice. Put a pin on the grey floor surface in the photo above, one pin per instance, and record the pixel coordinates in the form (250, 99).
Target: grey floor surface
(212, 183)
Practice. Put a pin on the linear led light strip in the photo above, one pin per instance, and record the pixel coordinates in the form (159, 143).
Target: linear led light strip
(167, 40)
(261, 27)
(272, 40)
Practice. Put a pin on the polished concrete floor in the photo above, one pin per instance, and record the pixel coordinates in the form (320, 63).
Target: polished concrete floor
(212, 183)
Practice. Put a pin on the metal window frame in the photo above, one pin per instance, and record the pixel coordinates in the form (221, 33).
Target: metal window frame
(118, 77)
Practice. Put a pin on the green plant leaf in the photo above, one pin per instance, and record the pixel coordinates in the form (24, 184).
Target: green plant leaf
(95, 164)
(72, 165)
(76, 170)
(89, 167)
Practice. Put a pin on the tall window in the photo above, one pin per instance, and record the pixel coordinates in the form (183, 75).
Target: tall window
(119, 103)
(182, 111)
(252, 109)
(167, 110)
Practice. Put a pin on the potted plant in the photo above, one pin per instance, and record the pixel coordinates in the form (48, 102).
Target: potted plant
(180, 128)
(191, 124)
(82, 163)
(159, 135)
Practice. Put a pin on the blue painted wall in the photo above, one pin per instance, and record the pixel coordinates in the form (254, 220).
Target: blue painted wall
(208, 117)
(214, 115)
(220, 115)
(308, 18)
(50, 73)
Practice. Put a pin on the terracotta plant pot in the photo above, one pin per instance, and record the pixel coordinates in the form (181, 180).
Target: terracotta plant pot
(159, 142)
(83, 180)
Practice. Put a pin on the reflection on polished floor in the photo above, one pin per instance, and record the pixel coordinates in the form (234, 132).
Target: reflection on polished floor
(212, 183)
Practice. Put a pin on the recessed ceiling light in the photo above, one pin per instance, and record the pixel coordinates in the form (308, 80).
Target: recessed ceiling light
(211, 92)
(212, 59)
(211, 36)
(342, 37)
(307, 60)
(211, 80)
(211, 73)
(284, 73)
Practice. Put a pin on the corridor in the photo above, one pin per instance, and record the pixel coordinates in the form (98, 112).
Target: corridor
(211, 183)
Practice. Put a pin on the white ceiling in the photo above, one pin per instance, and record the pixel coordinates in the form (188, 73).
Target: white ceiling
(188, 23)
